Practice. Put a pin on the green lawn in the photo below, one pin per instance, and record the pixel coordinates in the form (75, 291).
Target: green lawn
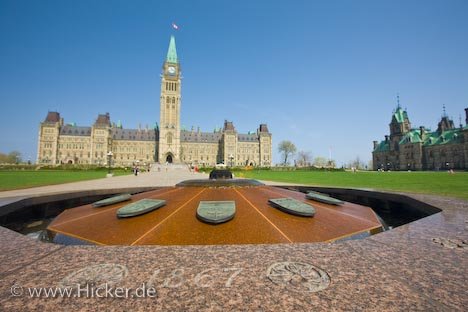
(18, 179)
(440, 183)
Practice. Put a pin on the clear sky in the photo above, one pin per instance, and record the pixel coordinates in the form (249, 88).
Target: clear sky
(320, 73)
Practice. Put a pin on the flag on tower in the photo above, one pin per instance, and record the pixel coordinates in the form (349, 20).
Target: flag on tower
(175, 26)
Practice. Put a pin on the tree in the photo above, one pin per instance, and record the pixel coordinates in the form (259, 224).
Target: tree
(357, 163)
(303, 158)
(11, 158)
(287, 148)
(320, 161)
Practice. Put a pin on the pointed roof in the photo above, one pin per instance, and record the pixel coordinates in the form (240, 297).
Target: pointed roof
(400, 115)
(172, 52)
(228, 126)
(52, 117)
(103, 120)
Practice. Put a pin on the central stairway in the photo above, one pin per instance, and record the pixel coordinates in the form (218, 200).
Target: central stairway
(170, 167)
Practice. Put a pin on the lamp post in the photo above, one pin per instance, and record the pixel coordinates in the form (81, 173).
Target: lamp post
(109, 160)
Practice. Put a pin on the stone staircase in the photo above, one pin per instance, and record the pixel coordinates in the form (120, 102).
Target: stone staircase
(170, 167)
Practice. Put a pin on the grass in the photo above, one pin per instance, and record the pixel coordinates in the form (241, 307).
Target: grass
(437, 183)
(19, 179)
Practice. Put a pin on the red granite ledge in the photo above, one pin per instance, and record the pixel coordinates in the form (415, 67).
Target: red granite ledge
(398, 270)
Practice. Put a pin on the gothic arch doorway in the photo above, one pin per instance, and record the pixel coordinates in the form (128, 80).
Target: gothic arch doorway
(169, 159)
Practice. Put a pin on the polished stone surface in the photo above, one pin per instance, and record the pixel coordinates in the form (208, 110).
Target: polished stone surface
(255, 221)
(398, 270)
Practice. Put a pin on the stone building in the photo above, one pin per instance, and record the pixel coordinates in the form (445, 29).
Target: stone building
(408, 148)
(60, 143)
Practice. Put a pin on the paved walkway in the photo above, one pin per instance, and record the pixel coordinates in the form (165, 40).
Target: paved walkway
(147, 179)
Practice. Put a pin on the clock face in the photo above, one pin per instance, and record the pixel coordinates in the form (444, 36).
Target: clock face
(171, 70)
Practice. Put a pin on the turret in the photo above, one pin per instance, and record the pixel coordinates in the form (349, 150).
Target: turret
(445, 123)
(400, 123)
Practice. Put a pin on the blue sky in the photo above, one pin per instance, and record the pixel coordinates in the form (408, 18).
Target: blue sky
(320, 73)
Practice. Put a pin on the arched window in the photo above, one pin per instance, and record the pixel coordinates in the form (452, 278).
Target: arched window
(169, 138)
(168, 100)
(173, 100)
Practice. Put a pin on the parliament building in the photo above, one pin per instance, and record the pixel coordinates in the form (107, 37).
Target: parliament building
(61, 143)
(408, 148)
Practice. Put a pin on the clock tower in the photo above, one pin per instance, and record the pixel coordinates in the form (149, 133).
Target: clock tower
(169, 123)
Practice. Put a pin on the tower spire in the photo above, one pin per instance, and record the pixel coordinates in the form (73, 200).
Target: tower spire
(172, 52)
(398, 100)
(444, 112)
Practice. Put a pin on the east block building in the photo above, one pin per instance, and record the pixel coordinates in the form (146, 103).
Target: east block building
(408, 148)
(60, 143)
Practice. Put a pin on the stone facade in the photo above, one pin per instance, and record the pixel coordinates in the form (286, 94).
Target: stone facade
(420, 148)
(60, 143)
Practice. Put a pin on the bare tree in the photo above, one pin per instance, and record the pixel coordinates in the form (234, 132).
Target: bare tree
(357, 163)
(287, 148)
(303, 158)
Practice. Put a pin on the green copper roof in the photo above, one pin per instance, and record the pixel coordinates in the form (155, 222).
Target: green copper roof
(382, 147)
(430, 138)
(400, 115)
(413, 136)
(446, 137)
(172, 52)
